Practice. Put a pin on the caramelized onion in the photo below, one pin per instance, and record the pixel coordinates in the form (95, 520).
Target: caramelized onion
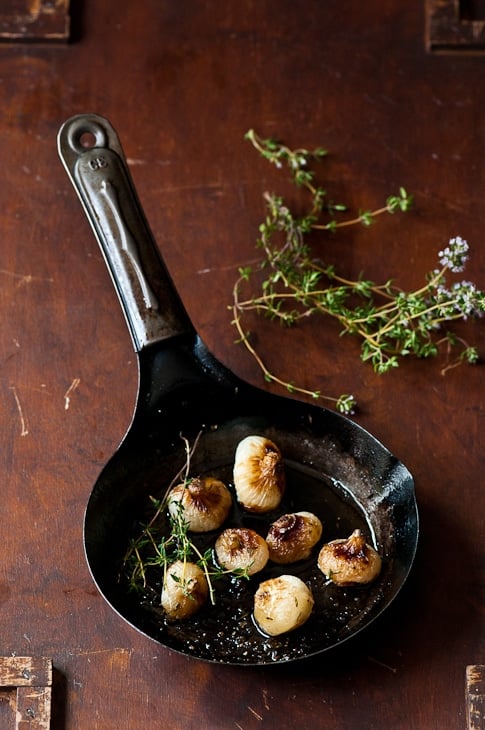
(205, 503)
(259, 476)
(240, 548)
(185, 590)
(293, 536)
(282, 604)
(349, 562)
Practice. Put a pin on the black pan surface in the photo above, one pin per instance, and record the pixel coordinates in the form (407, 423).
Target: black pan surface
(334, 468)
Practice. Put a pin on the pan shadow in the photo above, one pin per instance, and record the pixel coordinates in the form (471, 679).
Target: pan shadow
(59, 700)
(76, 13)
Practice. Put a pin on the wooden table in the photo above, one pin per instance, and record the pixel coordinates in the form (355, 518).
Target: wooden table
(182, 82)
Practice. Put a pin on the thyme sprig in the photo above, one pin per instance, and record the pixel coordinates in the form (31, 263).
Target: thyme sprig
(390, 322)
(155, 547)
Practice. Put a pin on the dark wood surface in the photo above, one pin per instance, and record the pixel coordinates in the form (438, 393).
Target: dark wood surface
(182, 82)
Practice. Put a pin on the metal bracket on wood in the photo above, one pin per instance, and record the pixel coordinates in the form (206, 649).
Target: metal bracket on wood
(450, 30)
(40, 21)
(475, 696)
(30, 680)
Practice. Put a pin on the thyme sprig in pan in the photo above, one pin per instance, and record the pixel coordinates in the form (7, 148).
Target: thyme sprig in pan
(390, 322)
(156, 547)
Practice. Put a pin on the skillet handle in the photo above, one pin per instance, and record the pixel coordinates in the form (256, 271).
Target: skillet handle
(95, 163)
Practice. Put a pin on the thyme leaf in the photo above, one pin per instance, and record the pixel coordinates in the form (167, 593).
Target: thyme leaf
(155, 547)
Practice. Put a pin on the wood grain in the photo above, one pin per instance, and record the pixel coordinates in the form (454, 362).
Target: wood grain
(182, 83)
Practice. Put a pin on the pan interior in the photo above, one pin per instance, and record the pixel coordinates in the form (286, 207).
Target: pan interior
(344, 488)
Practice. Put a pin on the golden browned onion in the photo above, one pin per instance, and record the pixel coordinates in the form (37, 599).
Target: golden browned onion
(185, 590)
(205, 503)
(240, 548)
(259, 476)
(293, 536)
(349, 562)
(282, 604)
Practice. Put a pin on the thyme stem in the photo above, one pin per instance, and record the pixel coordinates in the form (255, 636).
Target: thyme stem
(390, 322)
(155, 547)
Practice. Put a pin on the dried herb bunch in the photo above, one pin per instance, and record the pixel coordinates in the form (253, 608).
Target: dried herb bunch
(296, 283)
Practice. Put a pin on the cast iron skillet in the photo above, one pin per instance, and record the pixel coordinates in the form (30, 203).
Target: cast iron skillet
(334, 468)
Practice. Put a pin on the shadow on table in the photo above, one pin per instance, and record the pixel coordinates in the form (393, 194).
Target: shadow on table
(437, 606)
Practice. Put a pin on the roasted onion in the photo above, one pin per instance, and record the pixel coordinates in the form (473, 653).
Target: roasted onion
(240, 548)
(282, 604)
(292, 537)
(259, 477)
(349, 562)
(205, 503)
(185, 590)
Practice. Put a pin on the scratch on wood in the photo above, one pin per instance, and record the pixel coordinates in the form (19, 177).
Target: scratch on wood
(96, 652)
(265, 699)
(137, 161)
(229, 267)
(24, 278)
(255, 713)
(23, 421)
(67, 395)
(381, 664)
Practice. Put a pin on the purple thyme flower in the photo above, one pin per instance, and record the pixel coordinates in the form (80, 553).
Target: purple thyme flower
(455, 255)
